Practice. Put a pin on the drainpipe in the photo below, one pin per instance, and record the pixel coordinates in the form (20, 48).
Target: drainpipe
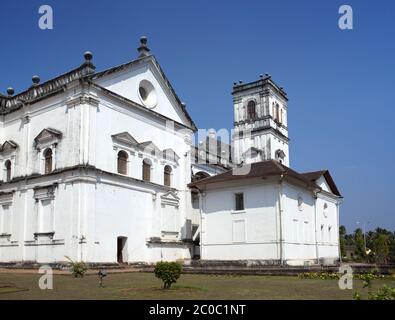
(315, 228)
(201, 221)
(280, 191)
(338, 230)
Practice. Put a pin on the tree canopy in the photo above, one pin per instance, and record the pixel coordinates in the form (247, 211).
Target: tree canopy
(380, 245)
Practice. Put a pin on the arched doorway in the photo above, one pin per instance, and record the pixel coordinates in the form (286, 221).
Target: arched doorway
(122, 250)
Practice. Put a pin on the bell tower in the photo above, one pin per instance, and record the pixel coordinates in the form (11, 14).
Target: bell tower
(260, 122)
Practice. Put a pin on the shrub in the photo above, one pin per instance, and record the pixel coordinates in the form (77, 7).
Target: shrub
(366, 277)
(319, 275)
(168, 272)
(78, 269)
(357, 296)
(384, 293)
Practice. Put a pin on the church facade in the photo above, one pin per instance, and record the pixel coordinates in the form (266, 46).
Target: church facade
(101, 167)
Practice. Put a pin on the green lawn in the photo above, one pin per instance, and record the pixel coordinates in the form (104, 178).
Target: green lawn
(146, 286)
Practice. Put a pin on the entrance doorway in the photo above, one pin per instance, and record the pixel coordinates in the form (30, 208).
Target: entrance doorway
(122, 249)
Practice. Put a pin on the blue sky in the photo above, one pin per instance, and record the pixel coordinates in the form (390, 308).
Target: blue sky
(340, 83)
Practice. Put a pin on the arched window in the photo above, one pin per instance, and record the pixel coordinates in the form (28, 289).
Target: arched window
(251, 110)
(8, 170)
(167, 176)
(280, 155)
(277, 115)
(300, 203)
(325, 212)
(146, 170)
(48, 161)
(122, 165)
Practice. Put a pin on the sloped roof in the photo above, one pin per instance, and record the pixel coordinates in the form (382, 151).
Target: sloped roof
(86, 72)
(170, 154)
(8, 145)
(164, 78)
(43, 90)
(315, 175)
(125, 137)
(149, 146)
(48, 132)
(263, 169)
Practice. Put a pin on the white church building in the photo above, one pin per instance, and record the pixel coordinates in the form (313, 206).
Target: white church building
(261, 209)
(101, 167)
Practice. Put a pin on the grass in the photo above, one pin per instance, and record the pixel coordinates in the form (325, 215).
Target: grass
(146, 286)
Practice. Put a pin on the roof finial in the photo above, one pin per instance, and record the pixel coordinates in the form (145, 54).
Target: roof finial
(36, 80)
(10, 91)
(143, 49)
(88, 56)
(88, 66)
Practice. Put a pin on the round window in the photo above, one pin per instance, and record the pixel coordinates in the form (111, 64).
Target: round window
(147, 94)
(143, 93)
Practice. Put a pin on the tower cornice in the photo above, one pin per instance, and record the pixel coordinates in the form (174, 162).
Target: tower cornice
(260, 83)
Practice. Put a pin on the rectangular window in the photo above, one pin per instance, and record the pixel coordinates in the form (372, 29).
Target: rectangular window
(239, 201)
